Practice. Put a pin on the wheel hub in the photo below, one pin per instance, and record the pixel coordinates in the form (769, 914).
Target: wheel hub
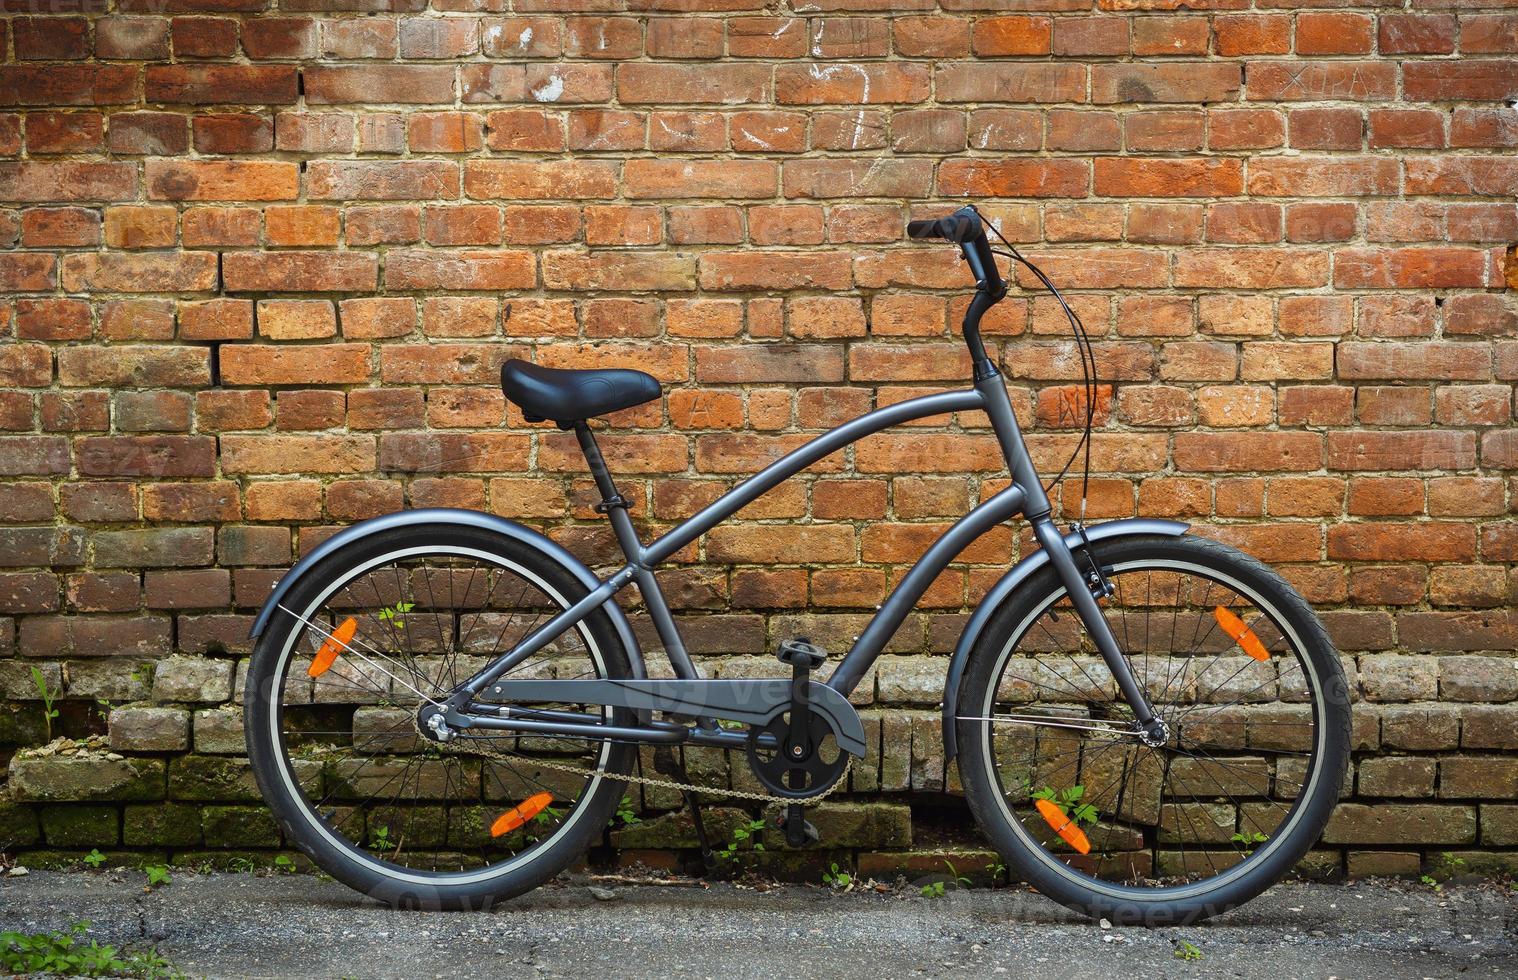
(1155, 734)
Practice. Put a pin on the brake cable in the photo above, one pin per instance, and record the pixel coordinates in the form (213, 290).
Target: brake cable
(1090, 381)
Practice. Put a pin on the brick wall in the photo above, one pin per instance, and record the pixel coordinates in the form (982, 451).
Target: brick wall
(262, 261)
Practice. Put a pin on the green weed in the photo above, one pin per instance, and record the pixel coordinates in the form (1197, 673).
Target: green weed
(745, 835)
(1186, 951)
(65, 953)
(1069, 803)
(395, 615)
(838, 878)
(94, 859)
(625, 815)
(157, 875)
(937, 889)
(48, 696)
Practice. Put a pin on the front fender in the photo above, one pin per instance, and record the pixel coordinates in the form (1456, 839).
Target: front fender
(459, 518)
(1008, 583)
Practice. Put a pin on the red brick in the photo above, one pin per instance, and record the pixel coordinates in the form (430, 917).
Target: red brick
(1190, 83)
(1484, 80)
(216, 319)
(64, 132)
(221, 84)
(1322, 80)
(1409, 268)
(170, 272)
(1013, 178)
(971, 82)
(230, 180)
(1415, 33)
(51, 38)
(204, 37)
(415, 84)
(66, 181)
(514, 180)
(1333, 33)
(299, 272)
(268, 38)
(65, 85)
(851, 83)
(59, 226)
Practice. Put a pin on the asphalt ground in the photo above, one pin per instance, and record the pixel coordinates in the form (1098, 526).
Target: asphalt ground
(233, 925)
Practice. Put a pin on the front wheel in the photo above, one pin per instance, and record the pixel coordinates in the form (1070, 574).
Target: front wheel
(1253, 698)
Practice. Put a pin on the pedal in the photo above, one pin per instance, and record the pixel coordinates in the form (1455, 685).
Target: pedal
(799, 831)
(801, 654)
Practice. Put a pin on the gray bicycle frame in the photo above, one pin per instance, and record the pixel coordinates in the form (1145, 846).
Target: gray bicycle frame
(1025, 496)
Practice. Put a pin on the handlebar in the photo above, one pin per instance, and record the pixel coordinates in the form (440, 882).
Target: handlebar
(966, 229)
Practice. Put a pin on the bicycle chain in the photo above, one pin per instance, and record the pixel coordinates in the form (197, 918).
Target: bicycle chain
(648, 780)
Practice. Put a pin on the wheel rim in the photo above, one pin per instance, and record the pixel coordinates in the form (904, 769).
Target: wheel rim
(1249, 748)
(427, 618)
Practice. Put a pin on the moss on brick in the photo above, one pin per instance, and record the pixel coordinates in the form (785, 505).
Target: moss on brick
(239, 826)
(81, 826)
(86, 777)
(18, 825)
(172, 824)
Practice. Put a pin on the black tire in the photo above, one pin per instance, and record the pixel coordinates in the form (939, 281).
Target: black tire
(301, 820)
(1158, 904)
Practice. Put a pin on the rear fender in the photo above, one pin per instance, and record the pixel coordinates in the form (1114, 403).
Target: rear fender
(1008, 584)
(550, 549)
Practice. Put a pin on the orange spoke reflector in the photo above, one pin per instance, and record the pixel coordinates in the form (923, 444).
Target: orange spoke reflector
(331, 647)
(1063, 825)
(1242, 635)
(520, 814)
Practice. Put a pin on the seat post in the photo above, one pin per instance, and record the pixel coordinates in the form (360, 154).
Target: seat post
(612, 503)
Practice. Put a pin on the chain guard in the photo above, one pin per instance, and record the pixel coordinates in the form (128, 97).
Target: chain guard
(812, 777)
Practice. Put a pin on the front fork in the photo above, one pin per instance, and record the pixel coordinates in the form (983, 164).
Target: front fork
(998, 408)
(1079, 588)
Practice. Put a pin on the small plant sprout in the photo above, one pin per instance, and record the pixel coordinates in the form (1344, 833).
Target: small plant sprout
(1247, 840)
(284, 864)
(747, 833)
(1186, 951)
(936, 889)
(838, 878)
(94, 859)
(379, 838)
(626, 814)
(158, 874)
(395, 615)
(1070, 803)
(48, 696)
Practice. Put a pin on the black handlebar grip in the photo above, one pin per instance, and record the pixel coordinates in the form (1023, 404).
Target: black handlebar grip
(922, 229)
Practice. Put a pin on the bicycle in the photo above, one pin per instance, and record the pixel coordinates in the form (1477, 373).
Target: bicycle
(444, 707)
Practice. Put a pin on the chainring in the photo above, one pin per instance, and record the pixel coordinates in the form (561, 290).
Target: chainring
(811, 777)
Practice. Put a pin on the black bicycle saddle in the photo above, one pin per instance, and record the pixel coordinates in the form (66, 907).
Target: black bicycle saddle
(568, 396)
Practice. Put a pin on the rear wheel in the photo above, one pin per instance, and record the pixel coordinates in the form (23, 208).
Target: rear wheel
(1253, 699)
(381, 628)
